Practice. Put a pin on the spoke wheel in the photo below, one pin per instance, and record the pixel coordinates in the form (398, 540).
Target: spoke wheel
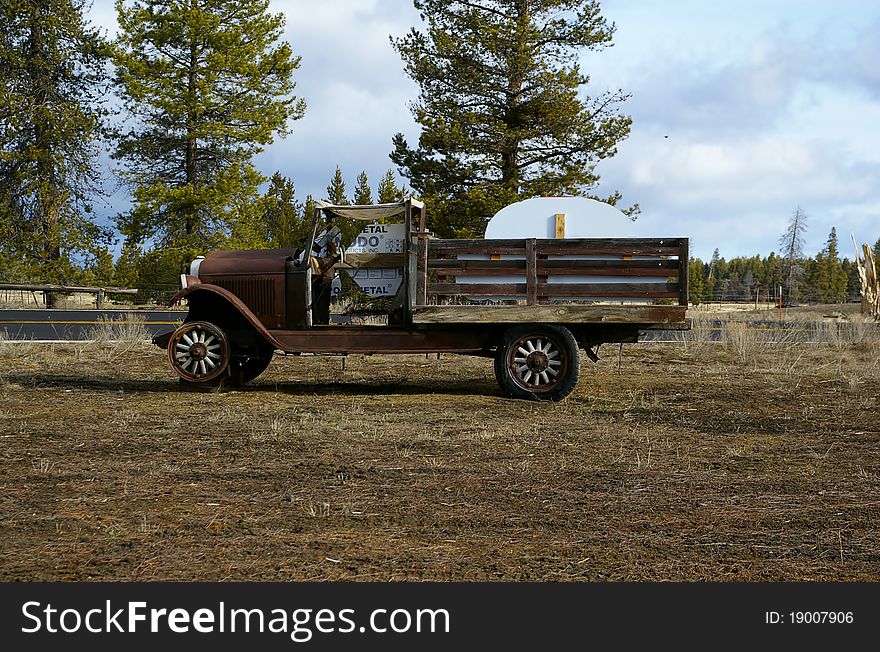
(198, 352)
(538, 362)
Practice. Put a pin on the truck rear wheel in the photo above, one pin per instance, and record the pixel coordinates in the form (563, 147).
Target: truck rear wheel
(199, 352)
(539, 363)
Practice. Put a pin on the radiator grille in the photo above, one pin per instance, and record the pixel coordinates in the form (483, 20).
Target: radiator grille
(257, 293)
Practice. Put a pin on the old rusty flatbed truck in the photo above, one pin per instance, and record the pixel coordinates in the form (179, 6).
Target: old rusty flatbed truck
(245, 305)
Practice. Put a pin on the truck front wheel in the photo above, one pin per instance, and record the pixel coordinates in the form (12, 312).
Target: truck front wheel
(199, 352)
(540, 363)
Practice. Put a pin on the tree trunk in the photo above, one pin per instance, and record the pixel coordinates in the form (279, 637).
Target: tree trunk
(191, 145)
(515, 81)
(47, 200)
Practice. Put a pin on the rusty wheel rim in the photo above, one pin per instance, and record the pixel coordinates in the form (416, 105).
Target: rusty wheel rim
(198, 352)
(537, 362)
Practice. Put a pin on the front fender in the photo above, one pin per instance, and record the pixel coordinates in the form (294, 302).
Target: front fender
(204, 302)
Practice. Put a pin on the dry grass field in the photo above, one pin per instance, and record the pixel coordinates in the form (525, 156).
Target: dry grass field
(739, 460)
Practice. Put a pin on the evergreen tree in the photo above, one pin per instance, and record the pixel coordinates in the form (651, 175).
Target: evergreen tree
(877, 251)
(362, 193)
(834, 280)
(274, 221)
(388, 192)
(336, 189)
(50, 126)
(207, 84)
(712, 277)
(853, 283)
(792, 242)
(282, 214)
(501, 106)
(696, 281)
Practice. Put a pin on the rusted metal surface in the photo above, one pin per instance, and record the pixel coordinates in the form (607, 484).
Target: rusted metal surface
(244, 263)
(195, 293)
(352, 339)
(257, 278)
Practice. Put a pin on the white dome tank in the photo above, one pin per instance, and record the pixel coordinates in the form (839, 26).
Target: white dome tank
(584, 218)
(561, 217)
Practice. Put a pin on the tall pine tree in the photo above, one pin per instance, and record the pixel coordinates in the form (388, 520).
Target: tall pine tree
(832, 275)
(792, 242)
(388, 192)
(50, 126)
(362, 193)
(502, 108)
(336, 189)
(207, 84)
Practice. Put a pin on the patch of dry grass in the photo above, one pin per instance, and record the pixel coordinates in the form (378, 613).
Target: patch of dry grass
(684, 464)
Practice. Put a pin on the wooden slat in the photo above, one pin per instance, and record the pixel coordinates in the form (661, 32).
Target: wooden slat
(560, 225)
(494, 267)
(614, 243)
(604, 290)
(601, 267)
(581, 246)
(622, 290)
(563, 248)
(478, 246)
(477, 289)
(684, 261)
(556, 267)
(422, 272)
(560, 314)
(531, 273)
(611, 271)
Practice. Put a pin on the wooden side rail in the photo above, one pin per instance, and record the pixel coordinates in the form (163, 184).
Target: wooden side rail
(633, 258)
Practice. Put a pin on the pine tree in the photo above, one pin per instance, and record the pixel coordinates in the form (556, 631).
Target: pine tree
(274, 221)
(51, 113)
(362, 193)
(206, 84)
(502, 108)
(792, 242)
(336, 189)
(388, 192)
(282, 214)
(696, 281)
(834, 280)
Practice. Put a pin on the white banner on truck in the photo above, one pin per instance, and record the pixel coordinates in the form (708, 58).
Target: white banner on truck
(378, 239)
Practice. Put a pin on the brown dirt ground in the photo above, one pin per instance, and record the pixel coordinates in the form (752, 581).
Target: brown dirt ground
(688, 462)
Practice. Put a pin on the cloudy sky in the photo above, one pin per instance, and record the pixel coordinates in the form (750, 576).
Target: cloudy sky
(742, 110)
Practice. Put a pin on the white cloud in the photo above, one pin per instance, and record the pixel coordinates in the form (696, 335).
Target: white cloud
(766, 106)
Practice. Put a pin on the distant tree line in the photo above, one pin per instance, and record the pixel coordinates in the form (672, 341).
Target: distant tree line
(824, 278)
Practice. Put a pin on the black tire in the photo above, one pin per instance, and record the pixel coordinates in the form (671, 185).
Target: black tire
(537, 362)
(199, 353)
